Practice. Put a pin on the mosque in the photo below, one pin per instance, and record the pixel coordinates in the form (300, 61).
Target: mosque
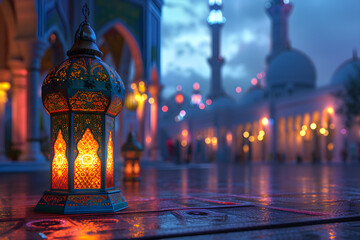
(35, 36)
(283, 117)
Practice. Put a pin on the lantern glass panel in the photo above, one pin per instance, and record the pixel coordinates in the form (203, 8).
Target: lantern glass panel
(60, 164)
(110, 163)
(87, 163)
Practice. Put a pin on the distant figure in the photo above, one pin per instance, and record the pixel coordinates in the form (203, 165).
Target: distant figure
(189, 154)
(198, 152)
(344, 155)
(298, 159)
(177, 152)
(170, 148)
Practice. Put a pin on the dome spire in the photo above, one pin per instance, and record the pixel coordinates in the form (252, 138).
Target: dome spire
(279, 12)
(85, 38)
(355, 54)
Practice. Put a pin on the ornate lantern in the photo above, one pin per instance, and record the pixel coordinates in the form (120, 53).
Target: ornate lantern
(131, 152)
(83, 95)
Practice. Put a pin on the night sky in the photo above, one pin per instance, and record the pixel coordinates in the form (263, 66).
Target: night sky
(326, 30)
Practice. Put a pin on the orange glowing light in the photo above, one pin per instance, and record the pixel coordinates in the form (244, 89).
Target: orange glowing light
(184, 132)
(59, 164)
(133, 86)
(136, 169)
(179, 98)
(229, 137)
(207, 140)
(330, 110)
(265, 121)
(87, 163)
(148, 139)
(214, 140)
(151, 100)
(246, 148)
(4, 86)
(183, 143)
(110, 163)
(330, 146)
(128, 169)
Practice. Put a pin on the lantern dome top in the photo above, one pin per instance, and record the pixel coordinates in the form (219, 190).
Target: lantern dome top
(85, 42)
(83, 82)
(131, 144)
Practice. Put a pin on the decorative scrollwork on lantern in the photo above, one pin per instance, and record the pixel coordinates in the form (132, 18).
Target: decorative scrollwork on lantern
(83, 95)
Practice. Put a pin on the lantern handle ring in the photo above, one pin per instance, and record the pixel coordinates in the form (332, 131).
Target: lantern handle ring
(85, 11)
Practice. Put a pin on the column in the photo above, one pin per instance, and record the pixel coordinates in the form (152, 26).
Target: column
(18, 106)
(4, 87)
(32, 51)
(155, 90)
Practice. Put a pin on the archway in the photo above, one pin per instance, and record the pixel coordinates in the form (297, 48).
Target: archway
(53, 56)
(116, 38)
(122, 52)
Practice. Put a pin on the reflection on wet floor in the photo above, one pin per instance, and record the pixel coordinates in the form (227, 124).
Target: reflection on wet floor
(172, 201)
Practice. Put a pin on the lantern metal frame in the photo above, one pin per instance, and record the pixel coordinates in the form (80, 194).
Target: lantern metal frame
(83, 95)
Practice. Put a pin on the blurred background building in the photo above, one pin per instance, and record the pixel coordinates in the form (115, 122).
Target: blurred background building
(282, 117)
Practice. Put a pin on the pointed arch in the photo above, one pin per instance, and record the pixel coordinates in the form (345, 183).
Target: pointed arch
(130, 40)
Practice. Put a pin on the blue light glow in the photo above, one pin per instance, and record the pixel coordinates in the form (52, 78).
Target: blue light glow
(213, 2)
(216, 17)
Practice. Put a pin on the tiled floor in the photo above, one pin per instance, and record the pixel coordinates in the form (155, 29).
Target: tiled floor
(201, 202)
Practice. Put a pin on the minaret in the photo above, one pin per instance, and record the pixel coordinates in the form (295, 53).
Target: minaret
(216, 21)
(279, 12)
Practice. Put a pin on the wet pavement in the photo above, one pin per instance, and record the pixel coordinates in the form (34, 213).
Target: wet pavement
(205, 201)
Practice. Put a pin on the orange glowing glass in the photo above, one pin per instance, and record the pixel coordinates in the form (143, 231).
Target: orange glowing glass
(128, 169)
(136, 169)
(59, 164)
(87, 163)
(110, 163)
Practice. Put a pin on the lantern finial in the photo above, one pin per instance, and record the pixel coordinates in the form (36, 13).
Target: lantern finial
(85, 39)
(85, 11)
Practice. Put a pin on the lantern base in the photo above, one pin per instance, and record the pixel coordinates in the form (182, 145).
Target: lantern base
(84, 202)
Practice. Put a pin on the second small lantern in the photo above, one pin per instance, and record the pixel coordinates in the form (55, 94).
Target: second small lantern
(131, 151)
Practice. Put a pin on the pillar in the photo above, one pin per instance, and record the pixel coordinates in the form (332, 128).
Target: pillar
(18, 106)
(32, 51)
(4, 86)
(154, 90)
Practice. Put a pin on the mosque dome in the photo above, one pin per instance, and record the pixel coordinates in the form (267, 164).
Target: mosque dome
(291, 67)
(348, 69)
(222, 102)
(254, 93)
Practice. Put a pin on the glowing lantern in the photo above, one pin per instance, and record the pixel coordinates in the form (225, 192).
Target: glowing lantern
(131, 151)
(83, 95)
(130, 102)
